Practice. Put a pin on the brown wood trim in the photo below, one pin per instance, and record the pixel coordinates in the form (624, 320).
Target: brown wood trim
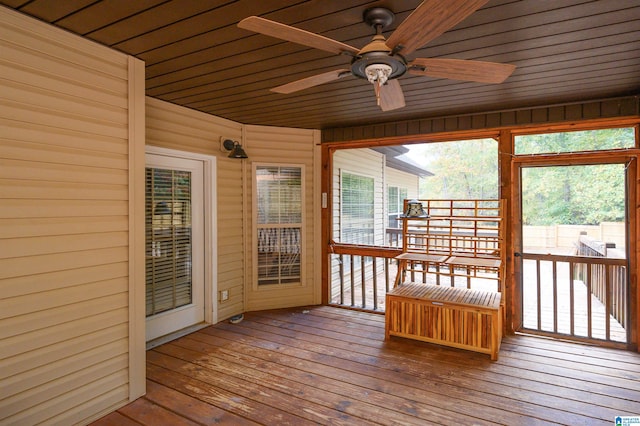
(505, 154)
(634, 244)
(359, 250)
(580, 158)
(415, 139)
(325, 219)
(535, 118)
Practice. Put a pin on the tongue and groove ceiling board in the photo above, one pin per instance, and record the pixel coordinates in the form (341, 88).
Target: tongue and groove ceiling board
(197, 57)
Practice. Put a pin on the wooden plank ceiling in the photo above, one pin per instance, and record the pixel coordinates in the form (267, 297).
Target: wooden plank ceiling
(196, 56)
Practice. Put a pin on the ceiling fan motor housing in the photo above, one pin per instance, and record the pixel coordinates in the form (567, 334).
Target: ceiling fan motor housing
(397, 64)
(377, 52)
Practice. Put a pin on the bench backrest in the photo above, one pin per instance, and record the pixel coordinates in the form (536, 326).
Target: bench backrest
(470, 230)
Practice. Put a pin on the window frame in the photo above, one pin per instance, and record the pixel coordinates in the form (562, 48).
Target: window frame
(341, 212)
(256, 226)
(399, 203)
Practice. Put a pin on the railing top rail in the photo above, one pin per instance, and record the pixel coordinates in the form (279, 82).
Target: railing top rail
(575, 259)
(364, 250)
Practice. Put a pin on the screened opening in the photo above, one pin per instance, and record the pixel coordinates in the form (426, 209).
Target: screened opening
(279, 224)
(583, 140)
(369, 186)
(574, 256)
(168, 240)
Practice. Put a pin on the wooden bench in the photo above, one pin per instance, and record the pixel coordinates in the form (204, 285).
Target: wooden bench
(456, 317)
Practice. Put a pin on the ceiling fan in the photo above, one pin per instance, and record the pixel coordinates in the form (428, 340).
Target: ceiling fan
(382, 61)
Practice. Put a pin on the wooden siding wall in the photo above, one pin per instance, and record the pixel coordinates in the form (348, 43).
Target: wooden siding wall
(183, 129)
(278, 145)
(64, 225)
(599, 109)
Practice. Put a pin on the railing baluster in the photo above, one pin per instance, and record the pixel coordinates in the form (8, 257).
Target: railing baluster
(363, 280)
(607, 302)
(341, 268)
(353, 284)
(572, 310)
(375, 283)
(387, 264)
(555, 296)
(539, 294)
(589, 292)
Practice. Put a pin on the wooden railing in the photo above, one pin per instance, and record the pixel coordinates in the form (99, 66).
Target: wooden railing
(582, 297)
(362, 275)
(394, 237)
(606, 284)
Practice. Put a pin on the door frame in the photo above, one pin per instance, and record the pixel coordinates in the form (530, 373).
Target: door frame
(209, 223)
(628, 157)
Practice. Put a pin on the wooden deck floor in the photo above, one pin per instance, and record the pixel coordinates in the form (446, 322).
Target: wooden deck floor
(326, 365)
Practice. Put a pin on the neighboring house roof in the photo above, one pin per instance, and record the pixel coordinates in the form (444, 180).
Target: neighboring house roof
(396, 158)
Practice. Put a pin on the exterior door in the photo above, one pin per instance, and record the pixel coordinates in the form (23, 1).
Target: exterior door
(572, 251)
(175, 247)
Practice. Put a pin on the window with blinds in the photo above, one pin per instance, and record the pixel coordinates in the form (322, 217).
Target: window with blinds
(168, 240)
(279, 224)
(357, 209)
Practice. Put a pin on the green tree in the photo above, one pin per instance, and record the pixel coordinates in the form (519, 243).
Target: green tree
(573, 195)
(462, 170)
(550, 195)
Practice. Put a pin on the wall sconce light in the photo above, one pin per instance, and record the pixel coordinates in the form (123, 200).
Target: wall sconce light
(235, 148)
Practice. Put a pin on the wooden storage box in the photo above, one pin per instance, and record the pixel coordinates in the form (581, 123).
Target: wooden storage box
(457, 317)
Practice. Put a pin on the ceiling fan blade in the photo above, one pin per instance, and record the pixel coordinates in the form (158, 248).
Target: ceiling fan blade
(312, 81)
(460, 69)
(391, 96)
(430, 19)
(295, 35)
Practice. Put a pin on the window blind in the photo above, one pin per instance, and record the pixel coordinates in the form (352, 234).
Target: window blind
(168, 240)
(279, 224)
(357, 209)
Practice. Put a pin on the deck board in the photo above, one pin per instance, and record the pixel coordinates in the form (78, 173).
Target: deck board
(326, 365)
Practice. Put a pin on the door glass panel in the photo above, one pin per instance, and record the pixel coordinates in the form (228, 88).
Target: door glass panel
(168, 240)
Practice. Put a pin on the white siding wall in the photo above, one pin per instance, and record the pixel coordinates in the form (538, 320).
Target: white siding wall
(277, 145)
(175, 127)
(64, 225)
(365, 162)
(402, 179)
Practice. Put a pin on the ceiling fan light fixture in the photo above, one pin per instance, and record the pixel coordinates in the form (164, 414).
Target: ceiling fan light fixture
(378, 73)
